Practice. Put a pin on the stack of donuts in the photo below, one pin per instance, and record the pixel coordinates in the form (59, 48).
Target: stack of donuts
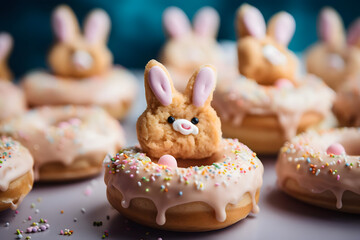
(196, 167)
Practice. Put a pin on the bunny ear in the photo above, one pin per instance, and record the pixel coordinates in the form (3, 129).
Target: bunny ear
(354, 33)
(97, 27)
(6, 43)
(64, 24)
(206, 22)
(250, 21)
(330, 27)
(158, 84)
(201, 86)
(176, 23)
(282, 27)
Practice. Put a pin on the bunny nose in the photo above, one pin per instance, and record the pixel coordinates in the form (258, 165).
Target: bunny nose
(185, 126)
(82, 60)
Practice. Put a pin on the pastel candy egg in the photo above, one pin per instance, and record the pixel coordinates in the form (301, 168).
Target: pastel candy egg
(336, 149)
(284, 83)
(168, 160)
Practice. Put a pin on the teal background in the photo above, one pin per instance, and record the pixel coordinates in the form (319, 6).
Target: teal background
(137, 33)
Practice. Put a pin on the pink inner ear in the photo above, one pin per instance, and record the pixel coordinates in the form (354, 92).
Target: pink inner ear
(354, 33)
(203, 87)
(206, 22)
(62, 24)
(160, 85)
(176, 22)
(327, 21)
(97, 27)
(284, 29)
(254, 22)
(5, 44)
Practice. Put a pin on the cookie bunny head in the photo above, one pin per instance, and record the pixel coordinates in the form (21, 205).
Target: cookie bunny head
(80, 55)
(182, 125)
(190, 47)
(6, 43)
(335, 57)
(263, 55)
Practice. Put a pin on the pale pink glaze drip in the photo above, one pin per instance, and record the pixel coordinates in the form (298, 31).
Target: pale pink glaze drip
(19, 164)
(12, 100)
(244, 96)
(52, 135)
(216, 187)
(310, 148)
(43, 88)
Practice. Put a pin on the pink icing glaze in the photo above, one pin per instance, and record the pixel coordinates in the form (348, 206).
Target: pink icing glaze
(254, 22)
(168, 160)
(50, 137)
(160, 85)
(176, 22)
(326, 23)
(285, 28)
(354, 33)
(6, 43)
(237, 172)
(12, 100)
(284, 83)
(244, 96)
(206, 22)
(306, 160)
(204, 85)
(97, 27)
(62, 23)
(42, 88)
(336, 149)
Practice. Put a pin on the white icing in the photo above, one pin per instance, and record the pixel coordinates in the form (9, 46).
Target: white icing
(273, 55)
(185, 127)
(82, 59)
(336, 61)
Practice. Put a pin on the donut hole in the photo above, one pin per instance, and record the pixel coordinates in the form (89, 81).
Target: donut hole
(351, 146)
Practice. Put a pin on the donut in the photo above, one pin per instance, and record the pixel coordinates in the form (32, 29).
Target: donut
(188, 47)
(347, 102)
(184, 176)
(12, 100)
(82, 70)
(322, 168)
(16, 173)
(115, 91)
(67, 142)
(336, 56)
(264, 117)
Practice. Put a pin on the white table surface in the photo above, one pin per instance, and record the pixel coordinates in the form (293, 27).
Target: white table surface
(280, 217)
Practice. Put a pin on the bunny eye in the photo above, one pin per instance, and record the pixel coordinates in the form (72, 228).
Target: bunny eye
(171, 119)
(195, 120)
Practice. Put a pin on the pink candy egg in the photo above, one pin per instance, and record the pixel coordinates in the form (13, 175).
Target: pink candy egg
(284, 83)
(336, 149)
(168, 160)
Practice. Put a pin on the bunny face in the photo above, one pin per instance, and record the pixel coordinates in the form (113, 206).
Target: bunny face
(182, 125)
(336, 57)
(6, 43)
(74, 55)
(190, 47)
(264, 56)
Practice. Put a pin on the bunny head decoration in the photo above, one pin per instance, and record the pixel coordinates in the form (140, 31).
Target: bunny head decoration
(336, 57)
(190, 47)
(6, 43)
(263, 54)
(182, 125)
(80, 55)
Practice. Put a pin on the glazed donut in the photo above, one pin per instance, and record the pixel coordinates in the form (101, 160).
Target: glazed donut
(266, 116)
(322, 168)
(12, 100)
(334, 59)
(67, 142)
(209, 194)
(16, 173)
(114, 91)
(346, 105)
(218, 180)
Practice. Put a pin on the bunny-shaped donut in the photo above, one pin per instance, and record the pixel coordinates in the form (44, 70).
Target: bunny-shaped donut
(189, 47)
(76, 55)
(334, 58)
(183, 125)
(6, 43)
(263, 55)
